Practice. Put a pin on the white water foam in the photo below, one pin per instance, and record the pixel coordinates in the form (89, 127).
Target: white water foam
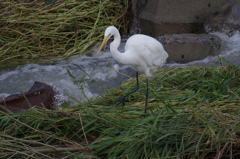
(91, 76)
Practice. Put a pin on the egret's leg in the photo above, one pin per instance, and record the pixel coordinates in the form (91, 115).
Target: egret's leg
(122, 99)
(146, 100)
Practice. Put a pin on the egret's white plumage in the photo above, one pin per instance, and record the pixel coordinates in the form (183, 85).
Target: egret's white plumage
(142, 52)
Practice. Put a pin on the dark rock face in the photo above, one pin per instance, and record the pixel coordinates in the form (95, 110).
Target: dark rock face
(190, 47)
(184, 24)
(227, 21)
(161, 17)
(40, 95)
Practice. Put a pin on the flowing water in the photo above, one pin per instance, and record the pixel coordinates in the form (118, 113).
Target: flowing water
(79, 77)
(86, 77)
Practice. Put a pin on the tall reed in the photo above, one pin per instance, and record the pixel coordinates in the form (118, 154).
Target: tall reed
(33, 29)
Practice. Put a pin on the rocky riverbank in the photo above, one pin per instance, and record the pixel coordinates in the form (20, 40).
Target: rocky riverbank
(175, 19)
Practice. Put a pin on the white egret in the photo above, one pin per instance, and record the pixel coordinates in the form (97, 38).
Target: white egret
(142, 52)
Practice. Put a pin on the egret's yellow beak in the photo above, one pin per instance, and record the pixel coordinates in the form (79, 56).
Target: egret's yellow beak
(103, 43)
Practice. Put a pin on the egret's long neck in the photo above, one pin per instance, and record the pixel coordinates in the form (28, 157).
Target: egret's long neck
(114, 47)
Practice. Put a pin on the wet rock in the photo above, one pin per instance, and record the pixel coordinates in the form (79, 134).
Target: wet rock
(161, 17)
(227, 21)
(184, 48)
(40, 95)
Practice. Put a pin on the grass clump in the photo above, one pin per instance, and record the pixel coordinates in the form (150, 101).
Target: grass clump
(45, 134)
(192, 113)
(31, 29)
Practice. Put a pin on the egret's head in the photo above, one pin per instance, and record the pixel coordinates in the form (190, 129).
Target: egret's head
(108, 33)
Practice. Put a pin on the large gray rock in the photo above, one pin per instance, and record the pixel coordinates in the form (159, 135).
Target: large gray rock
(228, 21)
(159, 17)
(184, 48)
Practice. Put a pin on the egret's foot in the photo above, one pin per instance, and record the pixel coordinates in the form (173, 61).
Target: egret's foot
(120, 101)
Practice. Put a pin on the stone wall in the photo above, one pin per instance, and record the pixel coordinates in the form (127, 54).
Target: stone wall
(178, 19)
(158, 17)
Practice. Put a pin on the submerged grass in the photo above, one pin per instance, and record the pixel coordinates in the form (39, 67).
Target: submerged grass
(193, 113)
(31, 29)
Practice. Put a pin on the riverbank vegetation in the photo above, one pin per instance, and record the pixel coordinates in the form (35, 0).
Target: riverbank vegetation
(62, 28)
(194, 112)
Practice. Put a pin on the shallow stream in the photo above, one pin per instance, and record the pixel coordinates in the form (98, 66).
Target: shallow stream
(86, 77)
